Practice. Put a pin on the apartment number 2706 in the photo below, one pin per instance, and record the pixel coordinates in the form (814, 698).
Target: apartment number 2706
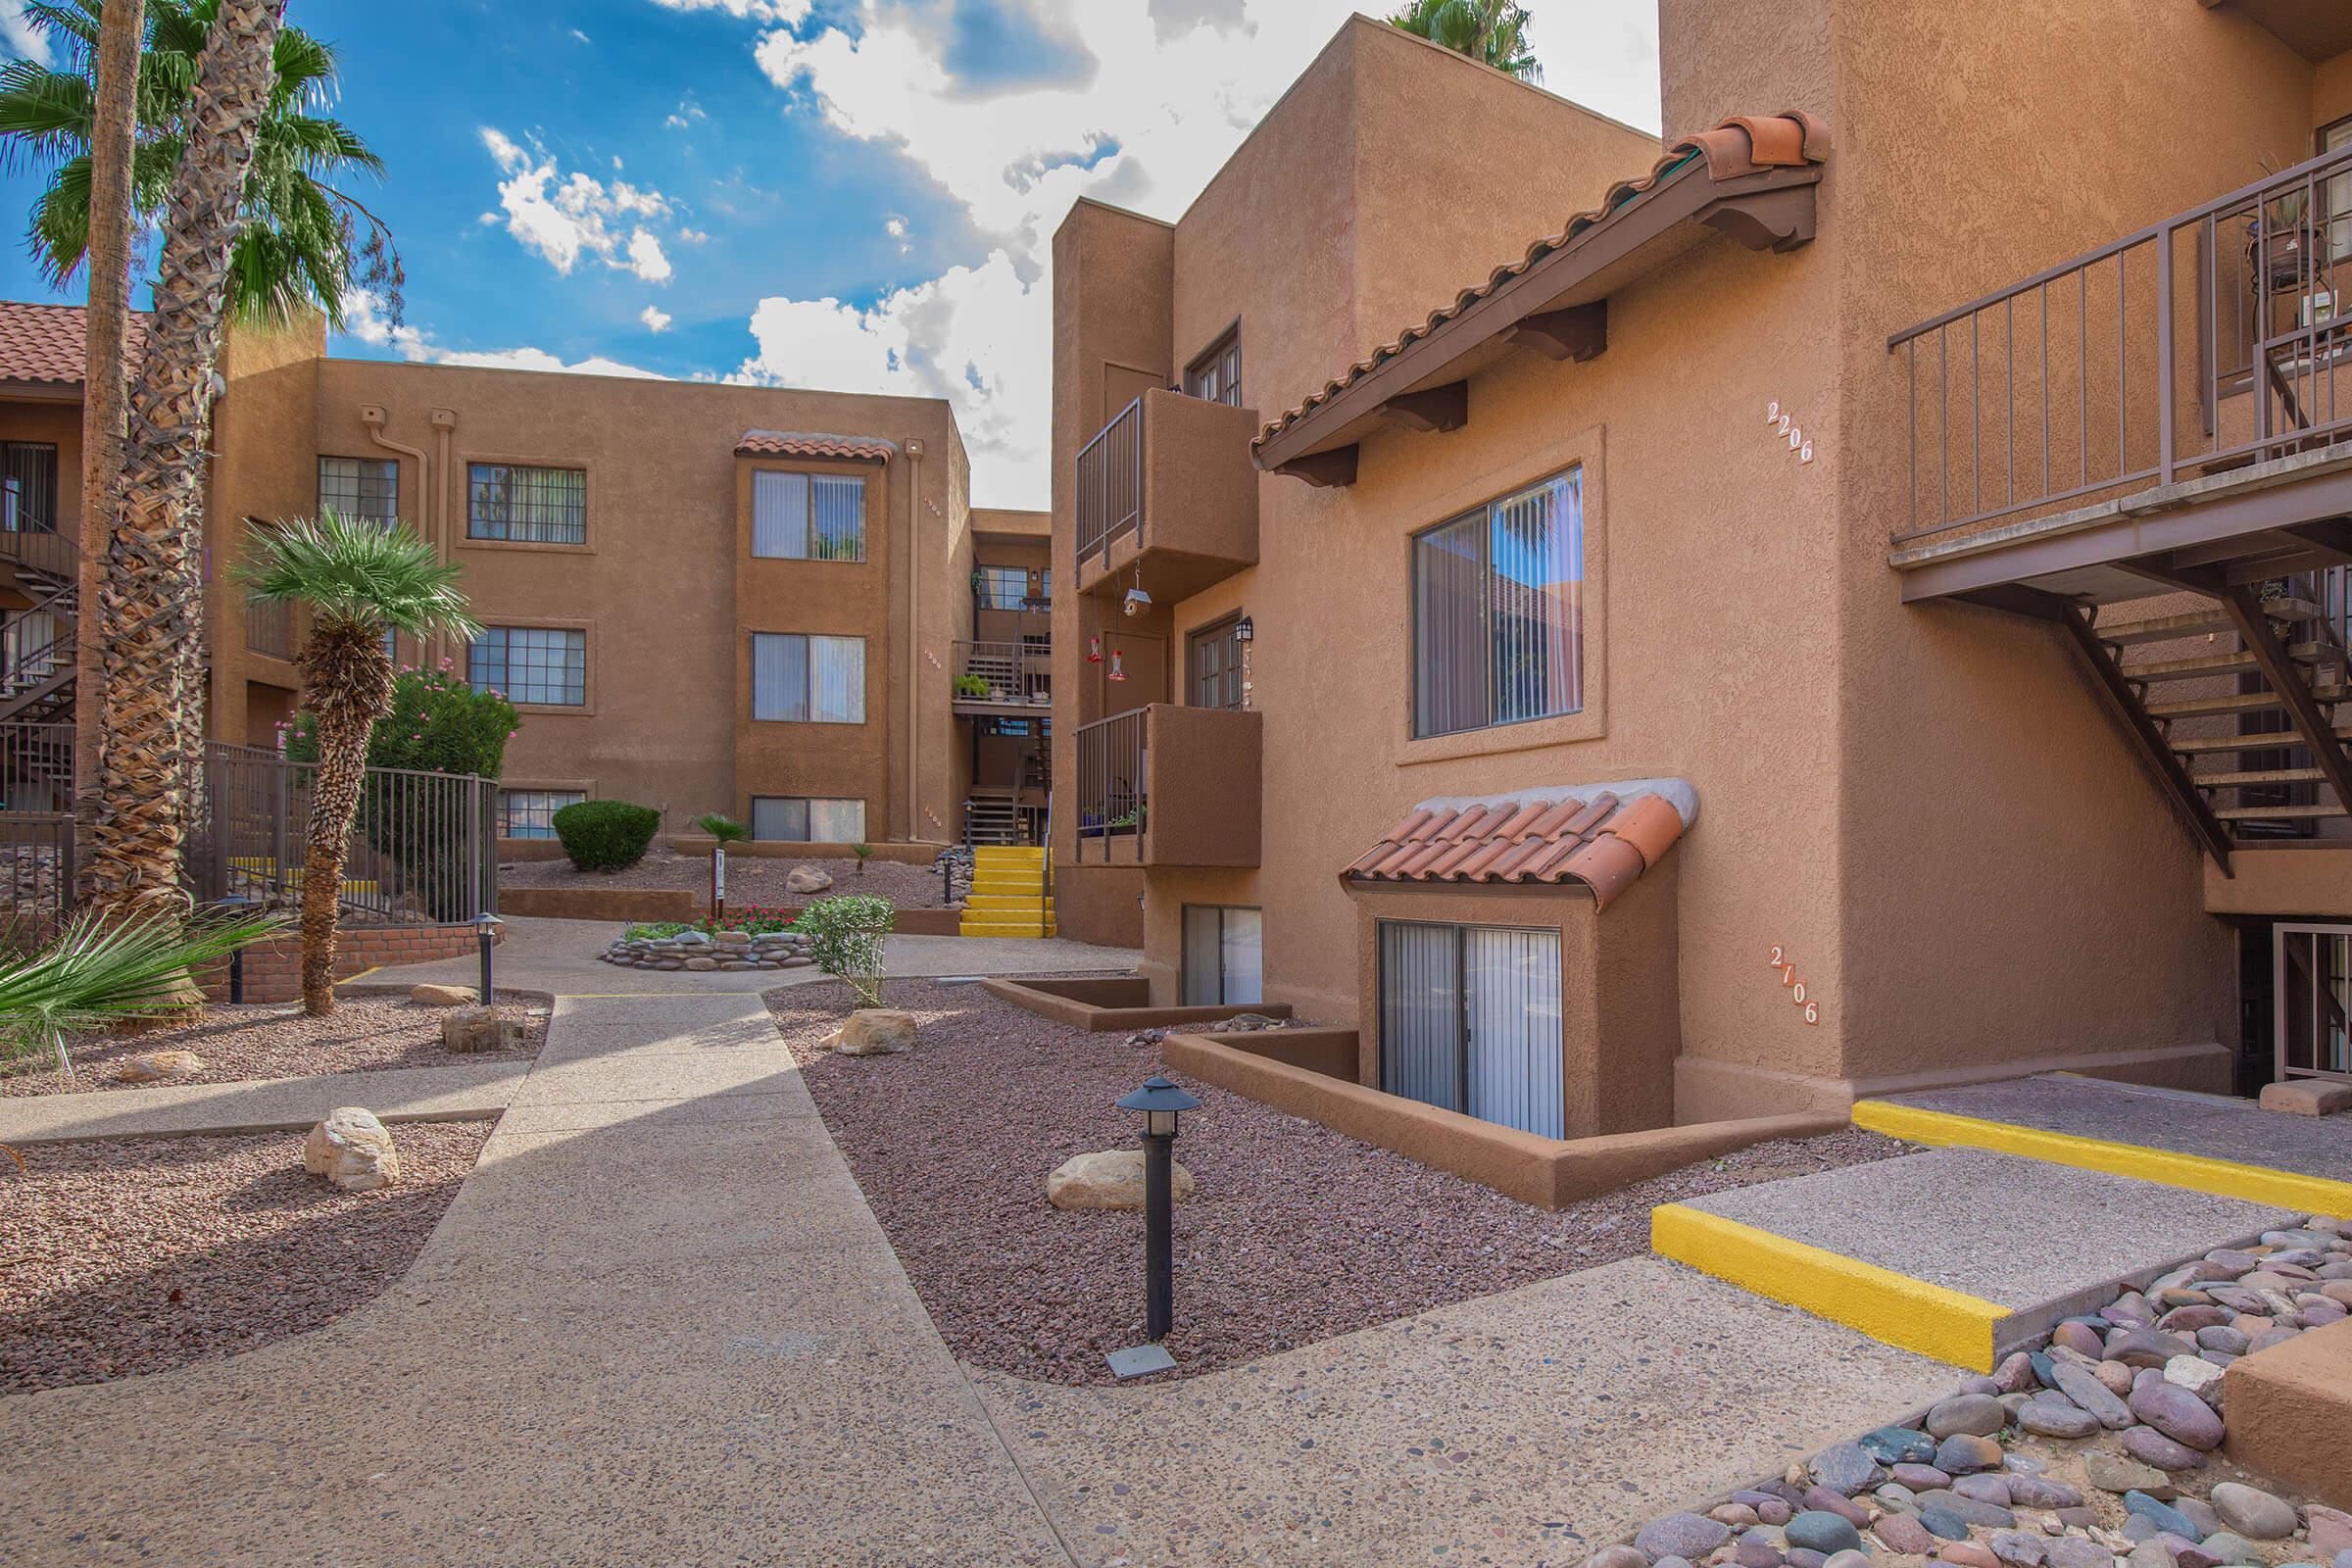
(1794, 986)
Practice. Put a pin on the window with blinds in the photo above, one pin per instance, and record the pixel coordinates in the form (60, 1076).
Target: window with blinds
(28, 486)
(1470, 1022)
(795, 820)
(1497, 605)
(808, 517)
(802, 679)
(525, 505)
(1224, 957)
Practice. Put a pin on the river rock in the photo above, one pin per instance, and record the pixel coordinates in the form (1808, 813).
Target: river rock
(2227, 1546)
(1819, 1530)
(1846, 1468)
(1976, 1415)
(2159, 1514)
(2151, 1447)
(2179, 1415)
(1688, 1536)
(2074, 1552)
(2055, 1417)
(2083, 1386)
(2113, 1473)
(1901, 1533)
(2252, 1512)
(2018, 1549)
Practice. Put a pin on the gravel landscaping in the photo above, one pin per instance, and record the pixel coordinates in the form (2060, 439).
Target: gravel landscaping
(751, 879)
(2100, 1443)
(1298, 1233)
(131, 1256)
(278, 1039)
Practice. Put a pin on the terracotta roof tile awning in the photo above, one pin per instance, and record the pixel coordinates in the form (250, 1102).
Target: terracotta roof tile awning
(43, 344)
(1600, 835)
(812, 444)
(1751, 176)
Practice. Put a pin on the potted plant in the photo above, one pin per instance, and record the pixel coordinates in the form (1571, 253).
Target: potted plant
(973, 686)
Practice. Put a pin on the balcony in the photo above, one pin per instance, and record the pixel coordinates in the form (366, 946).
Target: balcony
(1167, 490)
(1167, 786)
(1003, 677)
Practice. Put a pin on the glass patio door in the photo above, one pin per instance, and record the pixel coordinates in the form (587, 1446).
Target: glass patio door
(2312, 982)
(1470, 1022)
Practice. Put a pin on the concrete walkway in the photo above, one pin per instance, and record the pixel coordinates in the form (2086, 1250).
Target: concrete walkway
(658, 1324)
(465, 1090)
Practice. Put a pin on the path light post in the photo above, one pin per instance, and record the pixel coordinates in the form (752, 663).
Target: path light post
(485, 926)
(1161, 1103)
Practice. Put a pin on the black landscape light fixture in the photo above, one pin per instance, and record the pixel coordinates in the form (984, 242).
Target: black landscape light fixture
(485, 926)
(1161, 1103)
(233, 908)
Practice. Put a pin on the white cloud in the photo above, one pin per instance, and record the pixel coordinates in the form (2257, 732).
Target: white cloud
(563, 217)
(686, 113)
(693, 236)
(578, 35)
(1172, 90)
(785, 13)
(654, 318)
(20, 37)
(365, 320)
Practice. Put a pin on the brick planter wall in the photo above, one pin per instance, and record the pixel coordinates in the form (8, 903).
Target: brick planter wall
(273, 969)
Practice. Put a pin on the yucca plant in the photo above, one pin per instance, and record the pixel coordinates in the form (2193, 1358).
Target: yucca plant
(102, 971)
(360, 582)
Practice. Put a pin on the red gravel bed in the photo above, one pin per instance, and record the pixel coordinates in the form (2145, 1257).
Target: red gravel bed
(1299, 1232)
(751, 879)
(140, 1255)
(278, 1039)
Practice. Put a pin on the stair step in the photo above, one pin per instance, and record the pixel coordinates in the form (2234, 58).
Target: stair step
(2278, 814)
(1014, 903)
(2235, 702)
(2225, 661)
(2209, 745)
(2195, 623)
(2260, 776)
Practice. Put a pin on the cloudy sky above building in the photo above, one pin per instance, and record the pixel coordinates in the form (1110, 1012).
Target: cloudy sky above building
(852, 194)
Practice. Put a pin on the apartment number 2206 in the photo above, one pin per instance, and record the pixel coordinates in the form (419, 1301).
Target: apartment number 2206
(1797, 994)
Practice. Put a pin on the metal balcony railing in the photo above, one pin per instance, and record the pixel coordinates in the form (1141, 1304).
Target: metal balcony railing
(1110, 483)
(1018, 673)
(2213, 339)
(1112, 779)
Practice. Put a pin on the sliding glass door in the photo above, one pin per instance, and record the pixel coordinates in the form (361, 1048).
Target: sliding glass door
(2312, 981)
(1470, 1020)
(1224, 957)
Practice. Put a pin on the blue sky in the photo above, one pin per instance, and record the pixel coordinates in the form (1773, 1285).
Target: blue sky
(848, 193)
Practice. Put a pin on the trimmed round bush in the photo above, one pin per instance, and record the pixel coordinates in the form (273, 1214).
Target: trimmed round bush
(605, 835)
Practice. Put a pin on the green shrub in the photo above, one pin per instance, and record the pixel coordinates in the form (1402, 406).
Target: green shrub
(725, 829)
(650, 930)
(845, 937)
(605, 835)
(438, 724)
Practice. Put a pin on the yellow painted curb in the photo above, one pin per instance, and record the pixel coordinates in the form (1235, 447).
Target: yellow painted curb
(2256, 1184)
(1893, 1309)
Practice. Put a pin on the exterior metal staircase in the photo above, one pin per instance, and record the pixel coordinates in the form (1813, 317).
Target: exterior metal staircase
(36, 641)
(2248, 729)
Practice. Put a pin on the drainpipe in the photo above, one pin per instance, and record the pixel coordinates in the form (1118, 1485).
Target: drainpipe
(372, 415)
(445, 422)
(915, 637)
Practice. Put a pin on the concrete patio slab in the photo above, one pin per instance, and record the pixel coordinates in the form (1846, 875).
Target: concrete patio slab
(462, 1092)
(2205, 1143)
(1527, 1427)
(1877, 1246)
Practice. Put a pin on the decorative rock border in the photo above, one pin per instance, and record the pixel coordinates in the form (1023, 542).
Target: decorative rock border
(2147, 1371)
(728, 950)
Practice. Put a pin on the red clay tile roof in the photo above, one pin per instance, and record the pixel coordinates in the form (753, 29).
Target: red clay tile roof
(43, 343)
(1603, 834)
(1742, 145)
(809, 444)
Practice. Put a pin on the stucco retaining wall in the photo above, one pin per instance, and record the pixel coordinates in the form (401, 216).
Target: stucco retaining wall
(1104, 1007)
(2291, 1412)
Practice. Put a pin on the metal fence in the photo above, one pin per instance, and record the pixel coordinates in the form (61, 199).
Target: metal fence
(36, 868)
(424, 847)
(36, 767)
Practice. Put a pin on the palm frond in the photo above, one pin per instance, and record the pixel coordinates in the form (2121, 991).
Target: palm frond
(102, 971)
(355, 575)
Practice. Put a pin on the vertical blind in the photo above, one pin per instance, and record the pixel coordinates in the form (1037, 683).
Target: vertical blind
(804, 679)
(1499, 610)
(1470, 1020)
(808, 821)
(801, 516)
(1224, 957)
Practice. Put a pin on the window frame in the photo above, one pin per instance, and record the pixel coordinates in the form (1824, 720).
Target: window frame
(362, 480)
(587, 702)
(1223, 357)
(983, 593)
(1224, 629)
(38, 451)
(1483, 510)
(1459, 933)
(807, 802)
(2336, 247)
(866, 707)
(809, 479)
(562, 797)
(475, 538)
(1185, 974)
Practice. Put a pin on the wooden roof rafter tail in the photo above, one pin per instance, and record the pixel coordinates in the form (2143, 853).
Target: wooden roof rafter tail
(1752, 177)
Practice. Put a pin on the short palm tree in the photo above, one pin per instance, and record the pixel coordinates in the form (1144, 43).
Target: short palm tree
(360, 582)
(306, 240)
(1491, 31)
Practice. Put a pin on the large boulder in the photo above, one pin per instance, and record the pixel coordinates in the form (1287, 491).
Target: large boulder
(352, 1150)
(873, 1032)
(1112, 1177)
(476, 1029)
(444, 995)
(806, 879)
(156, 1066)
(2307, 1097)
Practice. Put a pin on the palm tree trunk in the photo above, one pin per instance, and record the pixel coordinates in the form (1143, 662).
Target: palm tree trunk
(152, 608)
(335, 803)
(105, 389)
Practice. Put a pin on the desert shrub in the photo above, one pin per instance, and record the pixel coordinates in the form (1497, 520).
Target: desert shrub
(650, 930)
(438, 724)
(723, 828)
(845, 937)
(605, 835)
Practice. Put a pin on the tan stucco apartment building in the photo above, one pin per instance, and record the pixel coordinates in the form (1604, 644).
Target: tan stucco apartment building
(1574, 608)
(703, 597)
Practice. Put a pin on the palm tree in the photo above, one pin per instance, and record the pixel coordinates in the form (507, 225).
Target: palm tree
(1491, 31)
(98, 975)
(306, 240)
(360, 582)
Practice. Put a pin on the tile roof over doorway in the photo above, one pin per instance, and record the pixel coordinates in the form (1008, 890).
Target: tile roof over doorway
(1600, 835)
(43, 344)
(1742, 146)
(813, 444)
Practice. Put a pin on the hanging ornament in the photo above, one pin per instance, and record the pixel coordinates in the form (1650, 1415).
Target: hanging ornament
(1094, 649)
(1118, 665)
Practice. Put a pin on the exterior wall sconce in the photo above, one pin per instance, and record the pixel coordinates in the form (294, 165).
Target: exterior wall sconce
(1243, 631)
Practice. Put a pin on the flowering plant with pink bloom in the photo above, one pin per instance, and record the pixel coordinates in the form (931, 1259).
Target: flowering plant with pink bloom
(438, 723)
